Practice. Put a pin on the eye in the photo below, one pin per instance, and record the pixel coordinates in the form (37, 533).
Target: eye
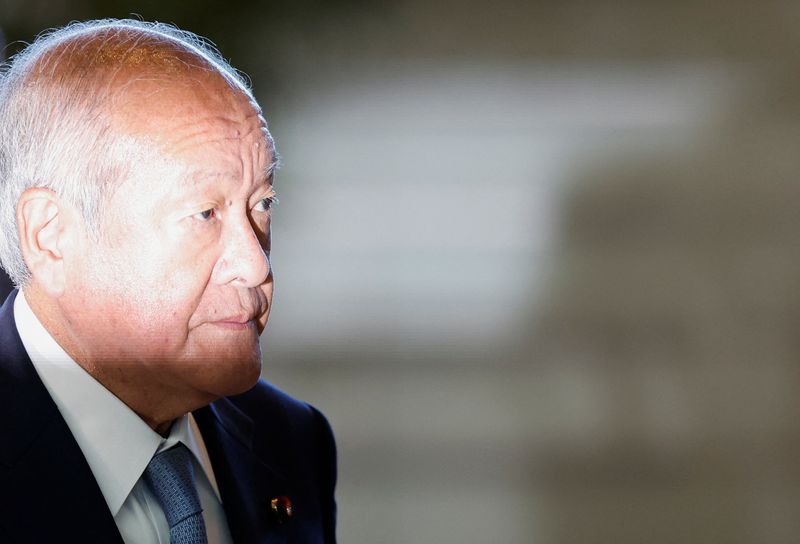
(205, 215)
(264, 204)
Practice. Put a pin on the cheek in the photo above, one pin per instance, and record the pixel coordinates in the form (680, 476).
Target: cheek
(161, 262)
(156, 290)
(167, 302)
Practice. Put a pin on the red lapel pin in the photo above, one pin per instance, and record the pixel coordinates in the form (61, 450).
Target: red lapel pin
(282, 508)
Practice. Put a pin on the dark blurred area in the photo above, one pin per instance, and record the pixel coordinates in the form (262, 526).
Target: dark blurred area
(5, 285)
(5, 281)
(533, 259)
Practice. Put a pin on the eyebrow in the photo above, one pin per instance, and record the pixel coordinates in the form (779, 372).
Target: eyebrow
(274, 166)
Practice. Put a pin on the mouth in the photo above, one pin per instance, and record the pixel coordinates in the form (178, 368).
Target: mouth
(236, 322)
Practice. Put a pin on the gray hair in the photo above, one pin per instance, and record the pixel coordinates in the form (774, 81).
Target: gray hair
(55, 129)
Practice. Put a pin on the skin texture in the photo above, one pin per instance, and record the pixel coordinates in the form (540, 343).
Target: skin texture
(166, 309)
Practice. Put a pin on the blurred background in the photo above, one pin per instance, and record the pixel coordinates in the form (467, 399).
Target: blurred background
(535, 260)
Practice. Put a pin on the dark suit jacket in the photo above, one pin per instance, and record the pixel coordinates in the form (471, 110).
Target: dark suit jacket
(263, 444)
(5, 285)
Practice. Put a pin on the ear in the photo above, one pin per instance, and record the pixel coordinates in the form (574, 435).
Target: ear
(40, 221)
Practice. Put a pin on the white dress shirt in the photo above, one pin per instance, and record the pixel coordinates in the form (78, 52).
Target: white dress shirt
(116, 442)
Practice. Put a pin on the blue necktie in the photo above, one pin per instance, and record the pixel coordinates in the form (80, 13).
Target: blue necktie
(171, 478)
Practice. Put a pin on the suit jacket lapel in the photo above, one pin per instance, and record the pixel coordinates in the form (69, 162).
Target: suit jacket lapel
(247, 482)
(48, 489)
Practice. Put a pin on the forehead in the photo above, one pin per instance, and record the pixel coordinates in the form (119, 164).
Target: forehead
(194, 144)
(200, 120)
(169, 185)
(155, 105)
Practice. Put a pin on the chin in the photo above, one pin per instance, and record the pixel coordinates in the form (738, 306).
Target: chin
(223, 367)
(236, 376)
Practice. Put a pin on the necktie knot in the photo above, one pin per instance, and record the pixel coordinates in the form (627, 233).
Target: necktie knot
(171, 478)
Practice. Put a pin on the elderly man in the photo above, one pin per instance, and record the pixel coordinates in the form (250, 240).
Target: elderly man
(135, 190)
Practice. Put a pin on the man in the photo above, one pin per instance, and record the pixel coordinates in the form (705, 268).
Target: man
(135, 190)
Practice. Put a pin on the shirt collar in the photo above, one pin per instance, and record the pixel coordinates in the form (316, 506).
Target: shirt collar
(116, 443)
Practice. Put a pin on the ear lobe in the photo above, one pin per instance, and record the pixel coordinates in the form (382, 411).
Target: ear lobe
(40, 221)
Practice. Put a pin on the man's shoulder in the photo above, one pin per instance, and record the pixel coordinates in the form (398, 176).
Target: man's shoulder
(287, 433)
(265, 396)
(267, 406)
(9, 338)
(296, 449)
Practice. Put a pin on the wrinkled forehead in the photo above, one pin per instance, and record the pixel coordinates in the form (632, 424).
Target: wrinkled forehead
(155, 106)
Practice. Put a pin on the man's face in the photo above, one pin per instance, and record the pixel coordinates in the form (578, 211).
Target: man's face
(179, 287)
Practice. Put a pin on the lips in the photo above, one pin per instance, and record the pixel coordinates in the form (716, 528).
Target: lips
(235, 325)
(239, 318)
(236, 321)
(249, 311)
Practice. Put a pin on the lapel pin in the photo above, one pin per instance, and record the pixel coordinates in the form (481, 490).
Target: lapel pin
(282, 508)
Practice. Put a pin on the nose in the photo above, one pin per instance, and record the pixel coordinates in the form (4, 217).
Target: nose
(244, 261)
